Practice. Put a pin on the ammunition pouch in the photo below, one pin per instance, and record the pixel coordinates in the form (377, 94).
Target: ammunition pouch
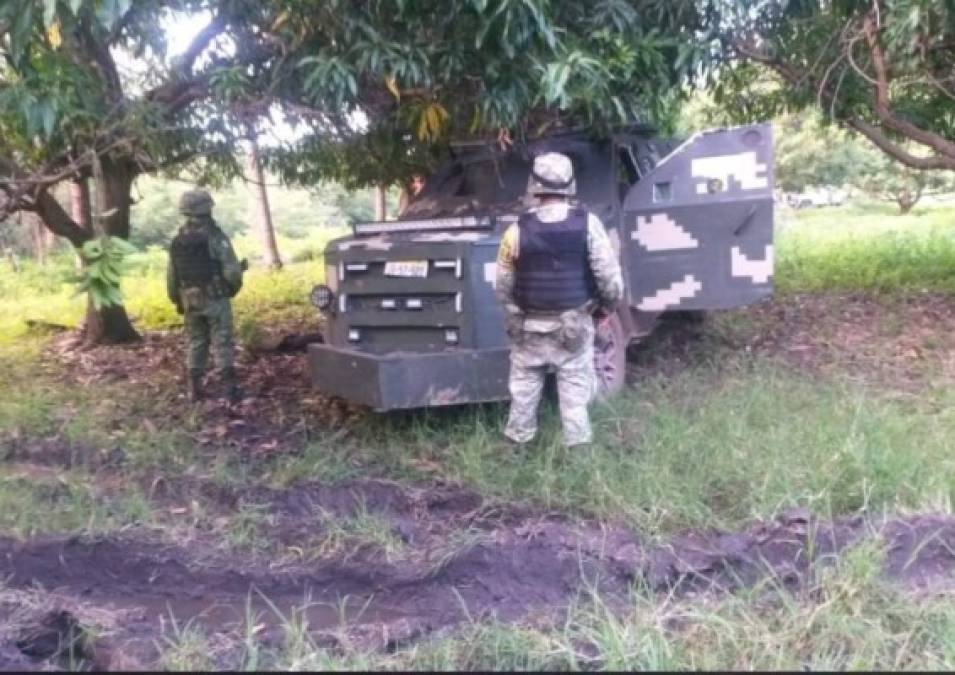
(228, 290)
(574, 329)
(193, 298)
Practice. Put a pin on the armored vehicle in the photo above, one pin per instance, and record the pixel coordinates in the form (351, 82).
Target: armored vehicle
(411, 315)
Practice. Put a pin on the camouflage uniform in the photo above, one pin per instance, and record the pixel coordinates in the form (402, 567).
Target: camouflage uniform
(206, 307)
(564, 340)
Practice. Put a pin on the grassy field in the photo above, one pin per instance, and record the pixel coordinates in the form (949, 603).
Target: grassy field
(728, 436)
(866, 247)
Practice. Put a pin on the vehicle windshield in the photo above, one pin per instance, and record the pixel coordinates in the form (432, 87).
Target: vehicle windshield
(475, 185)
(484, 182)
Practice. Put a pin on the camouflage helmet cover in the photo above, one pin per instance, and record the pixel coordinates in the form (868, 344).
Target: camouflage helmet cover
(196, 203)
(552, 174)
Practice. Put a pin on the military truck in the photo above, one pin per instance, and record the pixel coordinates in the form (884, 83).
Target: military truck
(411, 319)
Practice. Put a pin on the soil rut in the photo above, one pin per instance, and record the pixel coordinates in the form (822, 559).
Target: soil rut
(517, 567)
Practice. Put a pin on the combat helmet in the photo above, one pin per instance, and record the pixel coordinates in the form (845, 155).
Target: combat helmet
(552, 174)
(196, 203)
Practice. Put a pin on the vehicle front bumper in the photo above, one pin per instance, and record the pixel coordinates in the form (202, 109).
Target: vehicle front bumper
(403, 380)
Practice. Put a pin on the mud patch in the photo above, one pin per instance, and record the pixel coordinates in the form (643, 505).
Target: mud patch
(517, 566)
(378, 606)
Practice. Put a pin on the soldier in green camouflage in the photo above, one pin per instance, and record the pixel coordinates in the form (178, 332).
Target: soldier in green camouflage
(556, 269)
(202, 277)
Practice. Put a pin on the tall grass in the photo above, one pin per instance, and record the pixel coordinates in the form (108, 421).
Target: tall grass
(852, 248)
(865, 248)
(47, 293)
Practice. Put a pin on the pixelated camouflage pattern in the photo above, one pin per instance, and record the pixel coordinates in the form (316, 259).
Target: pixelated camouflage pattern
(562, 342)
(552, 173)
(603, 259)
(532, 355)
(691, 223)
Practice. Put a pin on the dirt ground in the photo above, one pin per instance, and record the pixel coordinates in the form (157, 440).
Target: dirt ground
(105, 602)
(513, 566)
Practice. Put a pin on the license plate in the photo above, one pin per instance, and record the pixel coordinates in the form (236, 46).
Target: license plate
(406, 268)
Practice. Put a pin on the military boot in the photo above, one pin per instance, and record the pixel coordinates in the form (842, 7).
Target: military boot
(194, 385)
(232, 389)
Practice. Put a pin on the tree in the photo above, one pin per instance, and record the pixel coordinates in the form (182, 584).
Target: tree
(883, 68)
(261, 212)
(374, 89)
(811, 153)
(381, 86)
(70, 113)
(885, 178)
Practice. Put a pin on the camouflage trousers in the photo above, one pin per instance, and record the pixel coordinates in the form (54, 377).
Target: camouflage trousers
(210, 324)
(532, 355)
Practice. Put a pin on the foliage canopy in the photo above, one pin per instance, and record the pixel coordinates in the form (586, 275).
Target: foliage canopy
(881, 67)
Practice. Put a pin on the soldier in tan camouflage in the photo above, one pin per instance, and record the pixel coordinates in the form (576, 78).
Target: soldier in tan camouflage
(202, 277)
(555, 269)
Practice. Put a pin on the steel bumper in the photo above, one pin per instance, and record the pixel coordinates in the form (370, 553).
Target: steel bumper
(410, 379)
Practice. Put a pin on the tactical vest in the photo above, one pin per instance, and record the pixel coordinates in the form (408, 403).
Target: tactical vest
(195, 266)
(553, 265)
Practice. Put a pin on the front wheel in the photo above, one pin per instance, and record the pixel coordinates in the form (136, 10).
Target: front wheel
(610, 357)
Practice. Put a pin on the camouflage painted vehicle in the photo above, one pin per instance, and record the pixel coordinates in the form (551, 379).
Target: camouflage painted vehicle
(411, 316)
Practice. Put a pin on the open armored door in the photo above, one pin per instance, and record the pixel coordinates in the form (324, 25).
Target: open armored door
(698, 228)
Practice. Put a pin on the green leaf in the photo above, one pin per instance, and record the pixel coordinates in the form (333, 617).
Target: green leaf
(48, 115)
(22, 28)
(92, 250)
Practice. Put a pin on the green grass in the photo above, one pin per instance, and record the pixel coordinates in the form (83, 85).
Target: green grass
(48, 293)
(849, 618)
(730, 437)
(857, 247)
(865, 248)
(716, 445)
(68, 504)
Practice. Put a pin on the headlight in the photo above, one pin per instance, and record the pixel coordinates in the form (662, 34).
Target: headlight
(322, 297)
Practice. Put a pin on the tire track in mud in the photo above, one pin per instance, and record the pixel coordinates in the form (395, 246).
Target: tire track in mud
(521, 566)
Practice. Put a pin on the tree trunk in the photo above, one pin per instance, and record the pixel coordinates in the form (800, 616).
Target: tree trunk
(11, 258)
(81, 209)
(39, 241)
(379, 202)
(111, 325)
(259, 205)
(907, 200)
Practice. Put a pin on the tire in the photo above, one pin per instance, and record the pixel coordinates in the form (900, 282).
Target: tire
(610, 358)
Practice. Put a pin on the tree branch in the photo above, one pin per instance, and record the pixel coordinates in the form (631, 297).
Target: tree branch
(897, 152)
(199, 44)
(56, 219)
(182, 89)
(881, 98)
(878, 137)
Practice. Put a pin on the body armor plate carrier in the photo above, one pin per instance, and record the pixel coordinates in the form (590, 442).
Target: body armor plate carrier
(553, 271)
(195, 266)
